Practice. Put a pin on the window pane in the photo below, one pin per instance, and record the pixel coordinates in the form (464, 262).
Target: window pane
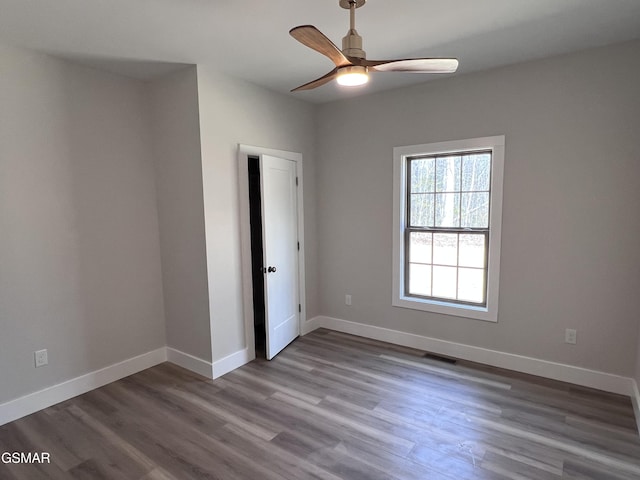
(445, 248)
(476, 170)
(447, 210)
(420, 279)
(471, 251)
(421, 210)
(423, 175)
(475, 210)
(448, 174)
(444, 282)
(420, 245)
(470, 285)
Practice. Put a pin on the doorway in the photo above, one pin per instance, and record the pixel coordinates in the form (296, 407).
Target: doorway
(272, 234)
(257, 255)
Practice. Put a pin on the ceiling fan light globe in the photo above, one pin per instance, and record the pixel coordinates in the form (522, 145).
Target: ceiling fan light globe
(352, 76)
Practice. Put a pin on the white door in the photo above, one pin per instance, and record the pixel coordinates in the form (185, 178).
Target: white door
(280, 239)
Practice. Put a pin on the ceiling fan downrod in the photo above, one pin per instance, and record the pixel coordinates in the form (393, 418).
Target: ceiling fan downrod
(352, 42)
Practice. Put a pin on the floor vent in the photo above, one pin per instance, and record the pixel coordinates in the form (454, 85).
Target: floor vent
(440, 358)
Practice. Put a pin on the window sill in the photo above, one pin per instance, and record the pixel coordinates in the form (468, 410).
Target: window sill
(446, 308)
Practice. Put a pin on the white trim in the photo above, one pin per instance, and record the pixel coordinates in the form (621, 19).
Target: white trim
(190, 362)
(399, 299)
(311, 325)
(635, 399)
(231, 362)
(207, 369)
(33, 402)
(519, 363)
(245, 237)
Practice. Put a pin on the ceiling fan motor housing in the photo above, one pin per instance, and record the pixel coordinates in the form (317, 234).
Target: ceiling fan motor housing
(352, 45)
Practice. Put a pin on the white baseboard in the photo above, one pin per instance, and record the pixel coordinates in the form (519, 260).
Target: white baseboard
(28, 404)
(310, 325)
(231, 362)
(190, 362)
(534, 366)
(214, 369)
(635, 399)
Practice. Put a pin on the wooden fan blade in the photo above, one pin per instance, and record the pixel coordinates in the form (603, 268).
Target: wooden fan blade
(413, 65)
(313, 38)
(318, 81)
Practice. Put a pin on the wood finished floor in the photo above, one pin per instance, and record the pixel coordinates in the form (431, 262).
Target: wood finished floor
(332, 406)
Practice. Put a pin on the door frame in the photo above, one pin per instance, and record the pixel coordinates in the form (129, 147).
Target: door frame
(244, 152)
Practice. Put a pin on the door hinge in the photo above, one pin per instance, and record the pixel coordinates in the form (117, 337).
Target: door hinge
(296, 181)
(299, 308)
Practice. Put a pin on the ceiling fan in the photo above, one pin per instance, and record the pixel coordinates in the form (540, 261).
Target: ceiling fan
(352, 67)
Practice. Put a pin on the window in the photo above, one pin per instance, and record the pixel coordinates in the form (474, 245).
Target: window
(447, 215)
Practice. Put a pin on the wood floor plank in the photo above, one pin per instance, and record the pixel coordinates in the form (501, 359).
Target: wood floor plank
(399, 467)
(387, 441)
(333, 406)
(48, 433)
(273, 458)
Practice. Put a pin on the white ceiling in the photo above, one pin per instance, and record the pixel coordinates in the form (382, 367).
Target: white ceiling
(249, 39)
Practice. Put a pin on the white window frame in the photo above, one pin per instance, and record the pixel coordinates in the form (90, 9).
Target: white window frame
(400, 299)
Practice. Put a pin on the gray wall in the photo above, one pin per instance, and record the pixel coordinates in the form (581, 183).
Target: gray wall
(79, 251)
(570, 234)
(176, 142)
(233, 112)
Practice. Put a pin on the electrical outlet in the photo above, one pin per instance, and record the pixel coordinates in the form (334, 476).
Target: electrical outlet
(41, 358)
(570, 336)
(347, 300)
